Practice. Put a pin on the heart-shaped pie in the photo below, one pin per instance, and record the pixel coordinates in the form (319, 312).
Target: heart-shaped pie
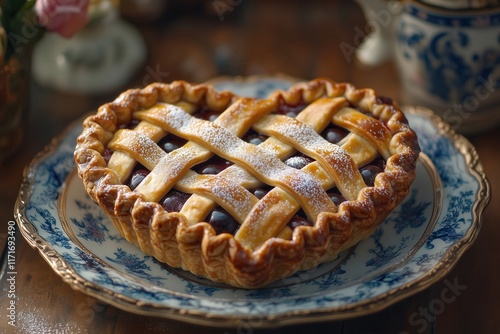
(247, 191)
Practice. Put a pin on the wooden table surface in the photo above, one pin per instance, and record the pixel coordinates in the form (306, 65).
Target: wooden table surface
(259, 37)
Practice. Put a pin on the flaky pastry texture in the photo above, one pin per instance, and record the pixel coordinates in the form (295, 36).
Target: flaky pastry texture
(264, 249)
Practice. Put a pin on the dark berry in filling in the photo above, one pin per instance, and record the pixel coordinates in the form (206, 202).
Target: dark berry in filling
(211, 169)
(174, 201)
(336, 198)
(298, 161)
(171, 142)
(137, 176)
(290, 111)
(380, 163)
(298, 220)
(132, 124)
(107, 154)
(369, 173)
(334, 134)
(260, 193)
(222, 222)
(384, 100)
(254, 138)
(207, 114)
(213, 166)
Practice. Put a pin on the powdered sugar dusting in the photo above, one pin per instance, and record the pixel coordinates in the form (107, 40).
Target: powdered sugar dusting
(165, 174)
(307, 187)
(260, 162)
(334, 159)
(234, 172)
(147, 149)
(235, 196)
(177, 118)
(219, 138)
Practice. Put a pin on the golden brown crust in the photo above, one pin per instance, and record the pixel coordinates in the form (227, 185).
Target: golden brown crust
(170, 238)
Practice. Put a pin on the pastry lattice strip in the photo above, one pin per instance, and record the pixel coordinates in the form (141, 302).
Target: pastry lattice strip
(260, 162)
(356, 151)
(204, 184)
(133, 143)
(168, 169)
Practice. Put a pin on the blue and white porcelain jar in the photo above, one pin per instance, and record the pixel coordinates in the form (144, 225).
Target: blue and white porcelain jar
(449, 60)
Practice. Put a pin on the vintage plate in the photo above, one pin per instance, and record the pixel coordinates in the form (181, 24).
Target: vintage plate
(416, 246)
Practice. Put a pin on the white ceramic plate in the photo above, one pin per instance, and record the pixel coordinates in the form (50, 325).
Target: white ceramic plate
(416, 246)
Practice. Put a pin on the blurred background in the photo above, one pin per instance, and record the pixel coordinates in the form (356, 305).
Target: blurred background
(199, 40)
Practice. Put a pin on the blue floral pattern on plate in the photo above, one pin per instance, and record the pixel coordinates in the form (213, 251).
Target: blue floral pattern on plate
(412, 247)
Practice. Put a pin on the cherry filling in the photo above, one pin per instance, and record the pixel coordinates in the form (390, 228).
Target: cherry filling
(288, 110)
(171, 142)
(107, 154)
(255, 138)
(174, 201)
(137, 176)
(206, 113)
(222, 222)
(214, 165)
(131, 125)
(334, 134)
(299, 220)
(220, 219)
(336, 197)
(369, 173)
(385, 100)
(261, 192)
(298, 161)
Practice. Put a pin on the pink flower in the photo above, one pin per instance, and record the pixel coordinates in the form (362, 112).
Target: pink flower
(65, 17)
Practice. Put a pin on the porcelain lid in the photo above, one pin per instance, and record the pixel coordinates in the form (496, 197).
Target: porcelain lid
(462, 4)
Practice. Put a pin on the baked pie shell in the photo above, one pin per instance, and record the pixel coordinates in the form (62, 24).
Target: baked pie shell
(221, 258)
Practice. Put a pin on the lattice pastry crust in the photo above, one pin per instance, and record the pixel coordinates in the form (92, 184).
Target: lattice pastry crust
(265, 246)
